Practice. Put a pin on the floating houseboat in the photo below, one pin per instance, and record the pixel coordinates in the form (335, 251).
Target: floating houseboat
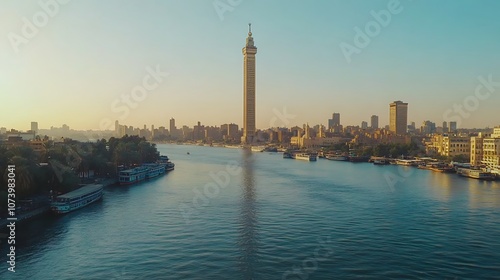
(76, 199)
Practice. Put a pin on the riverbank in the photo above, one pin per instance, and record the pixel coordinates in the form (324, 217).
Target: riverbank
(43, 206)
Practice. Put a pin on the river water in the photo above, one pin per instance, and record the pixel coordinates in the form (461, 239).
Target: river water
(233, 214)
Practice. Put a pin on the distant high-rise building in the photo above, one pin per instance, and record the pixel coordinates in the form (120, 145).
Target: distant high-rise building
(232, 130)
(445, 127)
(374, 122)
(453, 126)
(117, 128)
(34, 127)
(198, 132)
(249, 52)
(428, 127)
(334, 121)
(398, 117)
(3, 130)
(307, 133)
(173, 129)
(364, 125)
(321, 131)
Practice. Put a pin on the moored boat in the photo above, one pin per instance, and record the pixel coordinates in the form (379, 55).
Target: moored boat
(336, 157)
(76, 199)
(408, 162)
(164, 160)
(358, 158)
(155, 169)
(380, 162)
(306, 156)
(170, 166)
(441, 167)
(132, 176)
(287, 155)
(258, 148)
(271, 149)
(476, 174)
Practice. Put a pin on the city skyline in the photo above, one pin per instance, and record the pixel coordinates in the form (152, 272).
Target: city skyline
(78, 74)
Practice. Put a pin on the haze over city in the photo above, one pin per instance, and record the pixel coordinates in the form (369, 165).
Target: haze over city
(90, 53)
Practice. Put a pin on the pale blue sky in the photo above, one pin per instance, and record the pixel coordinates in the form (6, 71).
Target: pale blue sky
(92, 52)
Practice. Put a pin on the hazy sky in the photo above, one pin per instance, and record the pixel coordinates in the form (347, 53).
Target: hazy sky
(78, 62)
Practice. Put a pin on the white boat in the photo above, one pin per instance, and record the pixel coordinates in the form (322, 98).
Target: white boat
(76, 199)
(306, 156)
(258, 148)
(408, 162)
(476, 174)
(164, 160)
(170, 166)
(132, 176)
(155, 169)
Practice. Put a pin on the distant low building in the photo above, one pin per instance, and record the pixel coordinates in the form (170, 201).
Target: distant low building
(24, 135)
(309, 143)
(448, 145)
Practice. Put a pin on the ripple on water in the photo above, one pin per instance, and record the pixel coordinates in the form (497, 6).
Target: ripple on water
(272, 217)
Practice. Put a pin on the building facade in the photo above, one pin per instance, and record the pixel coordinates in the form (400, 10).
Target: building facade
(374, 122)
(449, 145)
(485, 149)
(334, 121)
(398, 116)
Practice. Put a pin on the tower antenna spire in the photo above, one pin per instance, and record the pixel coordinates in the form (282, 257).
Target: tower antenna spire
(249, 28)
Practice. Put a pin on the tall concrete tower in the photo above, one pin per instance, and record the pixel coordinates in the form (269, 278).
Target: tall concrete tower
(249, 52)
(398, 117)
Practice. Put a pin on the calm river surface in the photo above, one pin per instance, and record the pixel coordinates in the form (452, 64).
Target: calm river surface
(233, 214)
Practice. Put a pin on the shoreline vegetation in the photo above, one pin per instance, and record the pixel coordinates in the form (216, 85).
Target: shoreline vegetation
(65, 166)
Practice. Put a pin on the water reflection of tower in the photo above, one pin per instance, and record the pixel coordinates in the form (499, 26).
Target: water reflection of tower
(248, 218)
